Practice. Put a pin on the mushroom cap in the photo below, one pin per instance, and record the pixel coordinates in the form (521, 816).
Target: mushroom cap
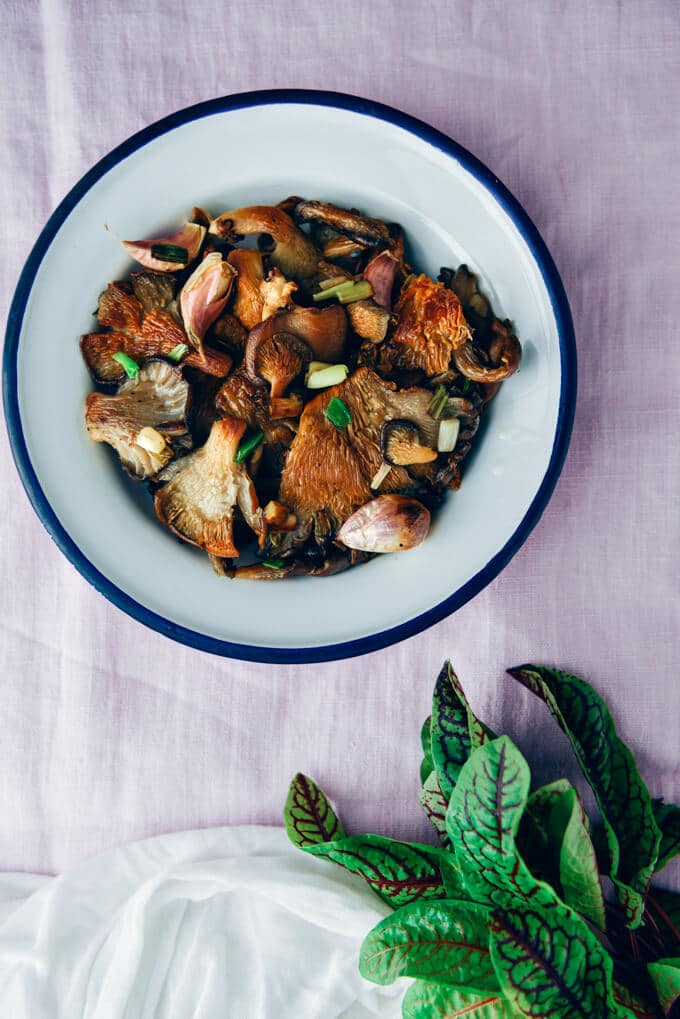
(158, 398)
(288, 247)
(430, 326)
(330, 470)
(276, 357)
(401, 445)
(198, 493)
(143, 326)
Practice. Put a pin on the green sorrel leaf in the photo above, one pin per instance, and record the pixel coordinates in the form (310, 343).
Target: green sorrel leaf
(559, 838)
(633, 835)
(445, 941)
(665, 974)
(427, 764)
(632, 1004)
(550, 964)
(579, 872)
(482, 822)
(535, 840)
(308, 816)
(668, 819)
(426, 1000)
(433, 802)
(455, 731)
(399, 872)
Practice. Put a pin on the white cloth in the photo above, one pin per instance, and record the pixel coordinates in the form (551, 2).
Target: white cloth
(226, 923)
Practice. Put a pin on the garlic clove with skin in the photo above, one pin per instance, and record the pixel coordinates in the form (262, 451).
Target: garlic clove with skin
(204, 296)
(168, 254)
(388, 523)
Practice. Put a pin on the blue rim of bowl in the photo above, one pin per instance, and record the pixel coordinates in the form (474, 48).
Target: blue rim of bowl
(565, 417)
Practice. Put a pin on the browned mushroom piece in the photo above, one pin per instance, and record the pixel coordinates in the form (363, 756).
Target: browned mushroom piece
(349, 222)
(277, 358)
(328, 471)
(244, 397)
(259, 294)
(144, 419)
(141, 333)
(227, 332)
(324, 330)
(369, 320)
(401, 445)
(199, 493)
(430, 327)
(502, 359)
(494, 353)
(287, 246)
(155, 290)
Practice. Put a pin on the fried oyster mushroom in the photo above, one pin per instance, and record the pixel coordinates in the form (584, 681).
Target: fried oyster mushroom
(199, 493)
(430, 327)
(143, 324)
(287, 246)
(145, 420)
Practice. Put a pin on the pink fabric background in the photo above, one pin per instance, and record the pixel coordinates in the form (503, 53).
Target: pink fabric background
(110, 732)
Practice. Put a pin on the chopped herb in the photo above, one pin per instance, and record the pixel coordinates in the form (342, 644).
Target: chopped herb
(337, 413)
(438, 402)
(466, 386)
(125, 361)
(332, 282)
(178, 352)
(273, 564)
(247, 446)
(170, 253)
(346, 292)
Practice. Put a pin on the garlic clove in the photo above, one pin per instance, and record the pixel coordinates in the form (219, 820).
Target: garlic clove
(204, 296)
(168, 254)
(389, 523)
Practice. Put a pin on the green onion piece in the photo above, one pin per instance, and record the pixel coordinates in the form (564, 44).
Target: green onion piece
(346, 292)
(438, 402)
(337, 413)
(178, 352)
(333, 282)
(247, 446)
(131, 367)
(273, 564)
(466, 386)
(170, 253)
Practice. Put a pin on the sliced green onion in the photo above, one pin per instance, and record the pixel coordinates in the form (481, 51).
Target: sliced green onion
(178, 352)
(130, 367)
(170, 253)
(333, 282)
(448, 435)
(337, 413)
(274, 564)
(346, 292)
(438, 402)
(466, 386)
(247, 446)
(329, 375)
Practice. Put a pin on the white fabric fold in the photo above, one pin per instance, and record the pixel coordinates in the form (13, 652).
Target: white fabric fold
(213, 924)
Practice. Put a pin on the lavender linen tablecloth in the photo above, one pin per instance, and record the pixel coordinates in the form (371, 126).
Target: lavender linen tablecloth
(110, 732)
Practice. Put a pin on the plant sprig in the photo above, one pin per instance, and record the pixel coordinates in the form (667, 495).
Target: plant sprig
(509, 917)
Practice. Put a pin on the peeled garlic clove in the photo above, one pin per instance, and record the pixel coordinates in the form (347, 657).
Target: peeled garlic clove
(168, 254)
(204, 296)
(389, 523)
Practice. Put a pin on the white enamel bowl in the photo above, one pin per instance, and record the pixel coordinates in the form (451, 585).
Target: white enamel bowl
(258, 148)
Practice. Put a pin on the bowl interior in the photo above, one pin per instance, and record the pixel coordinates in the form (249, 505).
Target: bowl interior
(260, 155)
